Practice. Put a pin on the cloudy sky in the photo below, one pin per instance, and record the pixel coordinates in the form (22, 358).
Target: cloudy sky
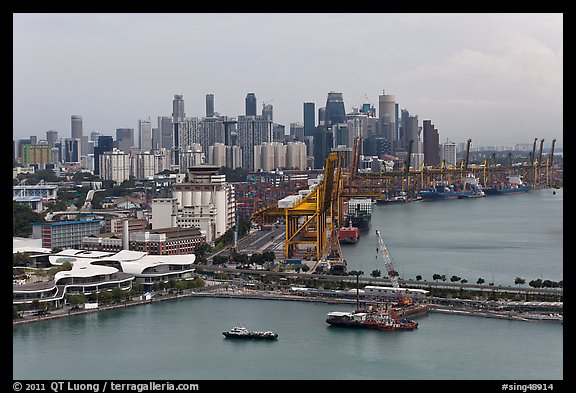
(495, 78)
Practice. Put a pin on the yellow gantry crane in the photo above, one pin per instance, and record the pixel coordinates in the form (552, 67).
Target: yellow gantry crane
(307, 221)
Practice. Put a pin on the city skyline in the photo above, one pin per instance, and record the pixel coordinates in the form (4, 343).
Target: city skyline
(494, 78)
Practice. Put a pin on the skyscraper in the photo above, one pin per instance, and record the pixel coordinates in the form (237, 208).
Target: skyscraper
(387, 116)
(209, 105)
(145, 134)
(431, 142)
(125, 139)
(76, 130)
(309, 119)
(250, 104)
(267, 112)
(51, 137)
(178, 116)
(335, 111)
(105, 143)
(165, 131)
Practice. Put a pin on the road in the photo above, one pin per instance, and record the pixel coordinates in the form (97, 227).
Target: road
(259, 241)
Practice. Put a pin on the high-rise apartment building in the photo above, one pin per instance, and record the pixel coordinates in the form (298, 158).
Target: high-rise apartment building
(250, 104)
(115, 165)
(449, 153)
(252, 131)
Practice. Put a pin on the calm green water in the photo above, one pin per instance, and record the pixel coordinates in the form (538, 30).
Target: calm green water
(183, 339)
(497, 238)
(507, 236)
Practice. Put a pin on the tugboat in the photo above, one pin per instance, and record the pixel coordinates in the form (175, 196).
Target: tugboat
(243, 333)
(378, 319)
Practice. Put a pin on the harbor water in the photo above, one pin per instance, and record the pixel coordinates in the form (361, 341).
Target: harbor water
(504, 236)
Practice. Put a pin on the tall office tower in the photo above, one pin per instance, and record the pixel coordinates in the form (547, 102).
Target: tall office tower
(178, 116)
(387, 117)
(250, 104)
(156, 141)
(408, 131)
(145, 135)
(51, 137)
(335, 111)
(94, 135)
(76, 129)
(321, 117)
(33, 140)
(165, 130)
(267, 111)
(396, 122)
(431, 142)
(309, 119)
(125, 139)
(297, 130)
(323, 143)
(278, 132)
(252, 131)
(72, 150)
(209, 105)
(105, 143)
(178, 108)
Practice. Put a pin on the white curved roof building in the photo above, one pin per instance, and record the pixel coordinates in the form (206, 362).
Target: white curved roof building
(94, 271)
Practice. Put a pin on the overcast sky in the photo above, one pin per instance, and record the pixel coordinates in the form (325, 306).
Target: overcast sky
(495, 78)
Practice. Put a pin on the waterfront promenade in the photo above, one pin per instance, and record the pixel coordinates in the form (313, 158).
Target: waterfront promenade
(492, 309)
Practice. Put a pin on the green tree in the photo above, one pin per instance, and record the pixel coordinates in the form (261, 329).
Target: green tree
(219, 260)
(21, 259)
(436, 277)
(418, 277)
(117, 295)
(104, 297)
(22, 219)
(519, 281)
(480, 281)
(76, 300)
(376, 273)
(268, 256)
(305, 268)
(455, 278)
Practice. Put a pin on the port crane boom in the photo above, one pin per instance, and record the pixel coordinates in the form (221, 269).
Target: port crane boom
(392, 273)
